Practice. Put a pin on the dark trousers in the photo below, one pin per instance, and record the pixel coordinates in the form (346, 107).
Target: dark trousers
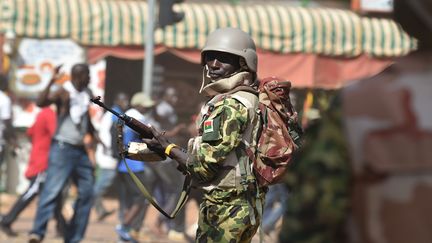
(169, 188)
(27, 197)
(66, 163)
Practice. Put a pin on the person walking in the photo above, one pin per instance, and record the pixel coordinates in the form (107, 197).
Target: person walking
(41, 133)
(7, 134)
(106, 157)
(169, 186)
(133, 204)
(230, 208)
(68, 159)
(275, 206)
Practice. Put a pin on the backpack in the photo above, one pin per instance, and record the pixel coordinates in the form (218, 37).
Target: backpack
(279, 132)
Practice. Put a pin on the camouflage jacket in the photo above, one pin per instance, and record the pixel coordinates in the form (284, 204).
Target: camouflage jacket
(318, 180)
(222, 125)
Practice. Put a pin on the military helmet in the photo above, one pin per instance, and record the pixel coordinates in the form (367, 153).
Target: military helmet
(234, 41)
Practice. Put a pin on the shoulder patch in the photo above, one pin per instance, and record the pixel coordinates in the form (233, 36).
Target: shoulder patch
(211, 129)
(208, 126)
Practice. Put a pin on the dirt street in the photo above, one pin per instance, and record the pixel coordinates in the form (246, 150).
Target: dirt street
(101, 232)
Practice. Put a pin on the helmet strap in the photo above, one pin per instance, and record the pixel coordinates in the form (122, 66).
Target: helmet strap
(204, 74)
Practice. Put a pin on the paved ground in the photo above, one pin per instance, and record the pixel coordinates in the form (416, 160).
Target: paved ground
(101, 232)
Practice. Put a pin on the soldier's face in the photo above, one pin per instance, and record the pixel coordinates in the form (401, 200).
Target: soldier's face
(220, 64)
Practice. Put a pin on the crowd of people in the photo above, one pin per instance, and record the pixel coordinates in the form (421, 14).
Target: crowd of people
(61, 154)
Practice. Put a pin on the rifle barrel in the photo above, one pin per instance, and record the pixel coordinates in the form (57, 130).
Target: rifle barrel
(97, 101)
(131, 122)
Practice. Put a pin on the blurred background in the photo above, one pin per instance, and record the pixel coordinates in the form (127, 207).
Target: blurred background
(320, 46)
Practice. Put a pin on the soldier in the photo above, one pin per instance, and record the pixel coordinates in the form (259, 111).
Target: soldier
(229, 211)
(387, 121)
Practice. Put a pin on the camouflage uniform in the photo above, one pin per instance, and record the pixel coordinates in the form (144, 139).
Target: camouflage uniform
(318, 179)
(225, 213)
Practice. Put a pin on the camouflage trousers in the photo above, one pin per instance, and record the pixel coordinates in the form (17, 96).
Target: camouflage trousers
(227, 221)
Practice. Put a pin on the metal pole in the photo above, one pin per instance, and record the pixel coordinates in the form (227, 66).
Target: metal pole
(149, 46)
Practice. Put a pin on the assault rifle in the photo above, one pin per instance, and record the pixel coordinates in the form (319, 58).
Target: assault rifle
(143, 130)
(137, 152)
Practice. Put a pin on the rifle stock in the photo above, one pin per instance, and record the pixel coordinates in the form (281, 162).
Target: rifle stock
(143, 130)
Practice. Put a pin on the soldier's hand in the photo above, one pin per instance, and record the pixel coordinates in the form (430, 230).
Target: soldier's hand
(159, 141)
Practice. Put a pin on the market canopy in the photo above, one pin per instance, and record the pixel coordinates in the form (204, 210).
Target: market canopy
(276, 28)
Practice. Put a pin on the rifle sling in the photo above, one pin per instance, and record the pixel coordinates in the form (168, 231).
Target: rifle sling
(184, 195)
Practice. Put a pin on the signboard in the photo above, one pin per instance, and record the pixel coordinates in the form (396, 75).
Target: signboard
(384, 6)
(36, 60)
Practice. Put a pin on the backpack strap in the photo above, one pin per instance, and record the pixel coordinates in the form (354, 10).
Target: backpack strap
(250, 101)
(250, 185)
(247, 181)
(246, 154)
(243, 95)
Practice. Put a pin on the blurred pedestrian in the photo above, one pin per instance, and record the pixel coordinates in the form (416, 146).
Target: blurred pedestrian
(318, 180)
(41, 133)
(168, 175)
(106, 157)
(68, 158)
(7, 135)
(166, 108)
(133, 204)
(274, 207)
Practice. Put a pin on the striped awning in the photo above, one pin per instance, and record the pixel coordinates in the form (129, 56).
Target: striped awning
(275, 27)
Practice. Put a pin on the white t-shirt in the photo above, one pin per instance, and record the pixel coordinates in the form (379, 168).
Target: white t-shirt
(5, 113)
(104, 158)
(166, 111)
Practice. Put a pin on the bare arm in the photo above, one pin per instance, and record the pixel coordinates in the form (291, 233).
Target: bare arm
(46, 98)
(180, 156)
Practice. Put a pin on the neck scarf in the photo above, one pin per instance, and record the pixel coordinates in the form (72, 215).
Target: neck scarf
(226, 84)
